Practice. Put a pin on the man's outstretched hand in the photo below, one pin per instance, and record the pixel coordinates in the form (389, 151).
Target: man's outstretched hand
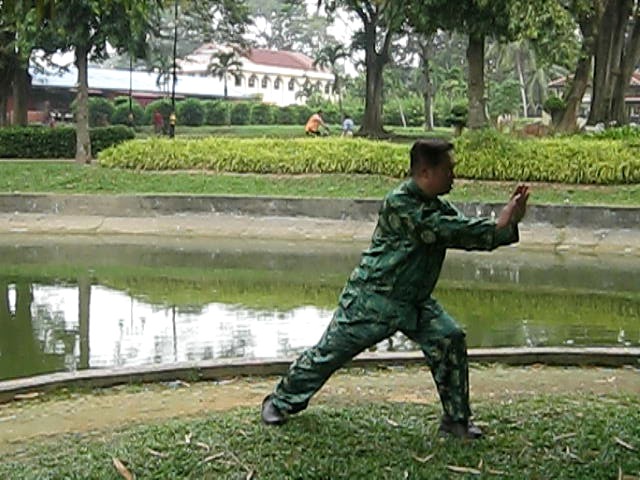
(514, 211)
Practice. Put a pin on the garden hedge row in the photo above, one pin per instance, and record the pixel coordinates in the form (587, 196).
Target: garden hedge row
(45, 142)
(480, 155)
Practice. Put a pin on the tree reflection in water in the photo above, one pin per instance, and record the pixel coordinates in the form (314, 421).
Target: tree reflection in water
(30, 346)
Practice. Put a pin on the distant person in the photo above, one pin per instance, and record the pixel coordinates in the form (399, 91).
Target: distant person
(347, 126)
(390, 290)
(172, 125)
(314, 124)
(158, 123)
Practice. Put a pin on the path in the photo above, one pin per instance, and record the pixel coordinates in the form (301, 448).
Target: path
(28, 420)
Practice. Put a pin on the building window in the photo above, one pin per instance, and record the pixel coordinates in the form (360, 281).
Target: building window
(252, 81)
(327, 88)
(265, 82)
(239, 79)
(292, 84)
(318, 87)
(276, 83)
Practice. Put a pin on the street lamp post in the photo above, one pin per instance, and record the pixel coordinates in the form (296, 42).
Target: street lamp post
(172, 117)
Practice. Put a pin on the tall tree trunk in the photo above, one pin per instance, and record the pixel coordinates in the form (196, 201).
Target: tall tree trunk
(372, 118)
(523, 86)
(427, 93)
(607, 58)
(630, 58)
(475, 60)
(83, 140)
(580, 82)
(3, 111)
(84, 307)
(21, 80)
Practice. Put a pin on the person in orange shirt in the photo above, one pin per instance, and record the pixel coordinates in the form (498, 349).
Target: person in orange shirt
(314, 123)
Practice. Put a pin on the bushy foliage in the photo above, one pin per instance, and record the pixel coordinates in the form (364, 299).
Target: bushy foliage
(480, 155)
(100, 111)
(241, 113)
(190, 112)
(163, 105)
(216, 112)
(553, 104)
(121, 114)
(411, 107)
(45, 142)
(263, 114)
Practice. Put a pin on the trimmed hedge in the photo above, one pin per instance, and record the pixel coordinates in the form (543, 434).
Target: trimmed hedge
(480, 155)
(45, 142)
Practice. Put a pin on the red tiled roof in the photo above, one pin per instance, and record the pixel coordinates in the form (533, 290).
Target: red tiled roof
(560, 82)
(280, 58)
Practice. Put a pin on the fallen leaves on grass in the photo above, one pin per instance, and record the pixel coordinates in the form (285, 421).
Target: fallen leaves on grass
(122, 470)
(423, 459)
(624, 444)
(470, 470)
(155, 453)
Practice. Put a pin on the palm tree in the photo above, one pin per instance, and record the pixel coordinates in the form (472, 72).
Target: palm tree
(222, 64)
(327, 57)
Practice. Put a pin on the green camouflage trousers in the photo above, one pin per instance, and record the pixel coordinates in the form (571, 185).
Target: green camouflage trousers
(361, 321)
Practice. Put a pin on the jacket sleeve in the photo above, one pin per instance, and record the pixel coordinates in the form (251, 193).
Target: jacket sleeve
(447, 227)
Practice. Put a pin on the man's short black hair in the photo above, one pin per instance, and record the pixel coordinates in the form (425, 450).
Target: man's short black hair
(429, 152)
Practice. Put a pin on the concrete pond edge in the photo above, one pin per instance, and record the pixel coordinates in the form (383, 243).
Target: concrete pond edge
(213, 370)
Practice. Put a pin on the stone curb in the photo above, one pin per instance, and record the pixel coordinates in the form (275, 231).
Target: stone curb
(558, 216)
(220, 369)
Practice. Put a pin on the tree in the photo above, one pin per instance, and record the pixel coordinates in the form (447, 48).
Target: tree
(382, 20)
(328, 57)
(287, 25)
(587, 15)
(617, 52)
(86, 26)
(222, 64)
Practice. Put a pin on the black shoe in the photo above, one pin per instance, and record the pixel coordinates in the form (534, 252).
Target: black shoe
(271, 415)
(464, 429)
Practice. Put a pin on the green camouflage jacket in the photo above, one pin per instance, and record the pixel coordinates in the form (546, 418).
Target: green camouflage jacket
(402, 265)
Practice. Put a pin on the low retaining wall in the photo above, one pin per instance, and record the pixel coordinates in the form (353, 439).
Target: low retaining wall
(220, 369)
(335, 209)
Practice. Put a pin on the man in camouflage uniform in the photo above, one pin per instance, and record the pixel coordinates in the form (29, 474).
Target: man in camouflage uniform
(391, 288)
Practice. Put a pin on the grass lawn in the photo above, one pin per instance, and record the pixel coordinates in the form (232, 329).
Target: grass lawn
(68, 177)
(536, 437)
(285, 131)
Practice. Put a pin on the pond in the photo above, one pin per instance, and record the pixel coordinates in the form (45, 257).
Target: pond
(69, 303)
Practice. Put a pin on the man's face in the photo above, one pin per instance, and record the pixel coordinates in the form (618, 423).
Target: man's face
(440, 178)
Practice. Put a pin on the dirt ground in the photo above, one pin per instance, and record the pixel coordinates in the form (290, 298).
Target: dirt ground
(38, 418)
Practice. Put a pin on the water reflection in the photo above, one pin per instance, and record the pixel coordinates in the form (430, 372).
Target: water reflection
(75, 306)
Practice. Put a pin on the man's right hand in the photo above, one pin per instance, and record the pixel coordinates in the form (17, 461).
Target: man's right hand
(514, 211)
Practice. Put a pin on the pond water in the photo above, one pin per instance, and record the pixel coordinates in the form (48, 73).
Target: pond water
(76, 303)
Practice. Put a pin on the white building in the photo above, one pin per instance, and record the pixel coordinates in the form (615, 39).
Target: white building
(275, 76)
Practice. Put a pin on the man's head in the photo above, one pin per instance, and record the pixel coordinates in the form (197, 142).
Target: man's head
(432, 166)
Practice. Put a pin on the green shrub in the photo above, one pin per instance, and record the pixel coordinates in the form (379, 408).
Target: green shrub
(241, 113)
(262, 114)
(60, 142)
(411, 107)
(627, 132)
(287, 115)
(190, 112)
(121, 114)
(105, 137)
(484, 154)
(216, 112)
(458, 115)
(122, 100)
(100, 111)
(553, 104)
(163, 105)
